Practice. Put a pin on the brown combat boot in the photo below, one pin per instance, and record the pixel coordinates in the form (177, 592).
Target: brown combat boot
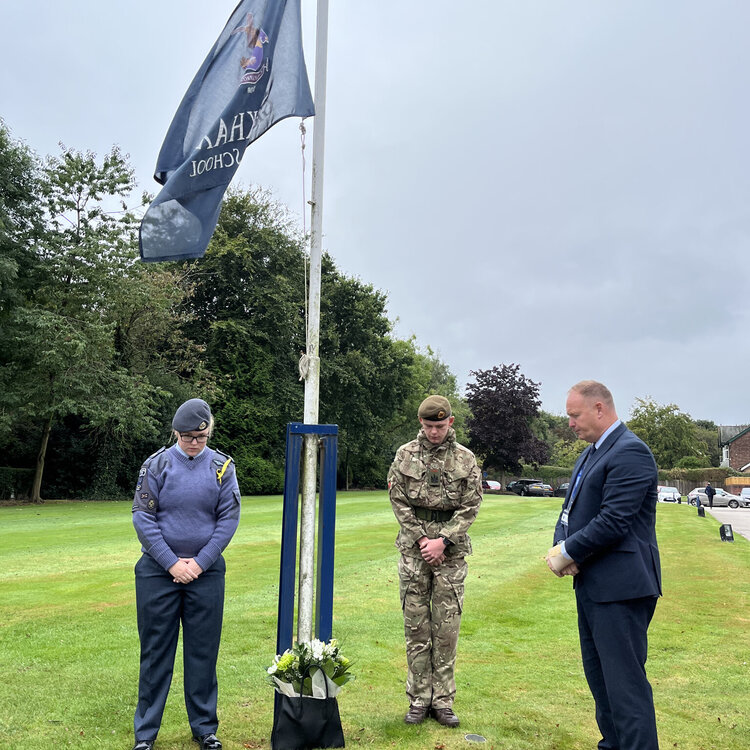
(445, 716)
(416, 714)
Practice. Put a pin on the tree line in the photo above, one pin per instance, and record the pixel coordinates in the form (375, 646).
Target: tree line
(98, 349)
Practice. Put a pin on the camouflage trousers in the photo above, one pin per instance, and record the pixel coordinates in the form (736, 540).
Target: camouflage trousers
(432, 599)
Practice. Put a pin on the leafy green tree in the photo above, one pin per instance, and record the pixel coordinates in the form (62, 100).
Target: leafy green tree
(669, 432)
(246, 312)
(504, 404)
(66, 359)
(707, 433)
(566, 452)
(556, 433)
(157, 358)
(367, 377)
(427, 374)
(551, 427)
(20, 222)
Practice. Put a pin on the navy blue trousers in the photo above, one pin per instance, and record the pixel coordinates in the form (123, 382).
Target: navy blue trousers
(614, 647)
(162, 606)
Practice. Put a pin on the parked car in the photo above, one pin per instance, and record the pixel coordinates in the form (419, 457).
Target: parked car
(669, 495)
(722, 499)
(530, 487)
(745, 494)
(562, 490)
(519, 485)
(491, 487)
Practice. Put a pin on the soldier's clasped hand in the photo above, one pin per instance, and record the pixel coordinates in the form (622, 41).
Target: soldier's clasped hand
(433, 550)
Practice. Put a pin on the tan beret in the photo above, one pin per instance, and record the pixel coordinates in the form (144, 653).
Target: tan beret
(435, 409)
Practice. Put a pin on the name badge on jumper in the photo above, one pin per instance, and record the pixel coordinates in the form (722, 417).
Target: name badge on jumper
(564, 518)
(433, 477)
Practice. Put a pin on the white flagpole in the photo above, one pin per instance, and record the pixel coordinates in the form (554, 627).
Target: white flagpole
(312, 381)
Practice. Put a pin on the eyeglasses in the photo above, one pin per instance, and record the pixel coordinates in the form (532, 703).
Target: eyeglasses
(190, 438)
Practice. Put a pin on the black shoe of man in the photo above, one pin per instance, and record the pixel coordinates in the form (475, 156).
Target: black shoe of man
(445, 716)
(144, 745)
(208, 742)
(416, 714)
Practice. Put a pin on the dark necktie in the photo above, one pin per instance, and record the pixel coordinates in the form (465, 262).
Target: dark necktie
(576, 487)
(592, 450)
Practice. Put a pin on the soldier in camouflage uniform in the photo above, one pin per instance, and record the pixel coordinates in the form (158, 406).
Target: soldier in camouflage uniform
(435, 489)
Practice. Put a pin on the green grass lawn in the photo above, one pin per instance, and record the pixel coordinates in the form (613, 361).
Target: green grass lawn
(69, 647)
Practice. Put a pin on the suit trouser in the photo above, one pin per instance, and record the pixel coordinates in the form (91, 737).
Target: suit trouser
(614, 647)
(432, 599)
(162, 605)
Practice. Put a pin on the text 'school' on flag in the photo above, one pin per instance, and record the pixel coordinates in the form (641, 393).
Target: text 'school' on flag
(253, 77)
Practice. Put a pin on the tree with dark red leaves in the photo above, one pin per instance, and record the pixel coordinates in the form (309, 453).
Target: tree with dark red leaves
(503, 404)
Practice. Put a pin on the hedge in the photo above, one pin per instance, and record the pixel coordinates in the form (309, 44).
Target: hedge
(713, 474)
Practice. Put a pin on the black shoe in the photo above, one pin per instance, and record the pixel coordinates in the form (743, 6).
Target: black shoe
(445, 716)
(144, 745)
(416, 714)
(208, 742)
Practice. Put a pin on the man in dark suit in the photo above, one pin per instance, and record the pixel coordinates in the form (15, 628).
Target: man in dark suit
(606, 539)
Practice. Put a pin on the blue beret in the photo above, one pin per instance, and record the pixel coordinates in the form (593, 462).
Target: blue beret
(194, 414)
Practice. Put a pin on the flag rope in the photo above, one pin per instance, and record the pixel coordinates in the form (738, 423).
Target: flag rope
(303, 133)
(303, 362)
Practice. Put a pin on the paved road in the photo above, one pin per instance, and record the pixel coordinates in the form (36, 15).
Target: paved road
(739, 518)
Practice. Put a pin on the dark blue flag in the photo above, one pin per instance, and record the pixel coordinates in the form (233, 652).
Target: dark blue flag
(253, 77)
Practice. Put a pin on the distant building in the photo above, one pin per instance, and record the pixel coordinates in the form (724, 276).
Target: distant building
(734, 441)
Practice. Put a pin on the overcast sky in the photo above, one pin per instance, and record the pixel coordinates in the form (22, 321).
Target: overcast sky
(561, 184)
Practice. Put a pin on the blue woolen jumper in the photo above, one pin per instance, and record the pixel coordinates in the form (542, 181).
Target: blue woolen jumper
(181, 510)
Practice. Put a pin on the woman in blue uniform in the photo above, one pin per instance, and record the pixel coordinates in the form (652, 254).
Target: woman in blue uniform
(186, 510)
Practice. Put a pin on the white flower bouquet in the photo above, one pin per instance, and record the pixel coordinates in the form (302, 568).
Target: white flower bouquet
(314, 669)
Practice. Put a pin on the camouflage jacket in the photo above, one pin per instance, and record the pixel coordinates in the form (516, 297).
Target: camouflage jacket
(439, 477)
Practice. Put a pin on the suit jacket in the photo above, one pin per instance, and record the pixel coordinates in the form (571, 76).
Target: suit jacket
(611, 531)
